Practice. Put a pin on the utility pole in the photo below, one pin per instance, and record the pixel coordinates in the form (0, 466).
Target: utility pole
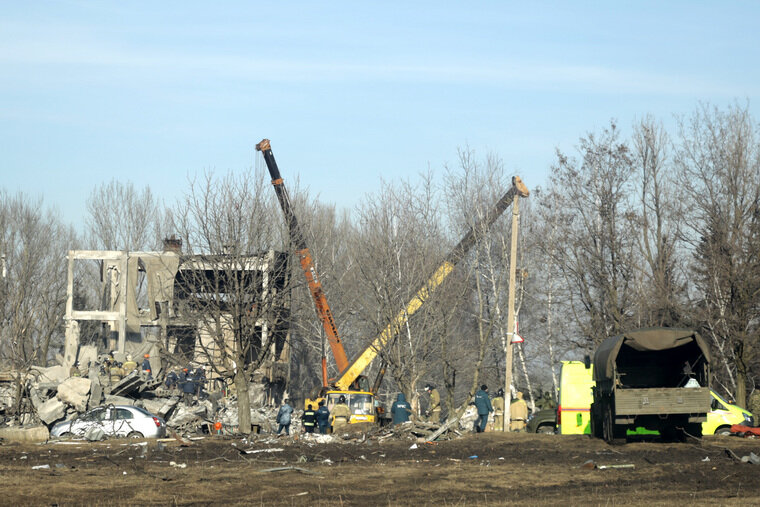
(511, 307)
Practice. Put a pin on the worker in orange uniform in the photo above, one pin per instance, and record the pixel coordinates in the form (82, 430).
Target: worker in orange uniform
(146, 365)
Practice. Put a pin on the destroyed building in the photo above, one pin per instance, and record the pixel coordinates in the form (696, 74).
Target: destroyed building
(153, 302)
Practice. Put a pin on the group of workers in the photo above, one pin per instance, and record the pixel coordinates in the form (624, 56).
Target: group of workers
(189, 381)
(315, 419)
(518, 411)
(116, 371)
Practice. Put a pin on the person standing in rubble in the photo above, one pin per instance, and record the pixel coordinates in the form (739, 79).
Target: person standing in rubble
(498, 411)
(323, 417)
(283, 417)
(171, 379)
(434, 410)
(116, 373)
(483, 404)
(518, 413)
(200, 381)
(309, 419)
(400, 409)
(146, 366)
(188, 386)
(341, 415)
(129, 365)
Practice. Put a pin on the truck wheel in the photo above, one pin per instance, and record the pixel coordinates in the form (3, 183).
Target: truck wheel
(607, 425)
(595, 423)
(546, 429)
(612, 434)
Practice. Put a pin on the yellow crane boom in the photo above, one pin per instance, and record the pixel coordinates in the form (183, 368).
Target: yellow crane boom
(357, 367)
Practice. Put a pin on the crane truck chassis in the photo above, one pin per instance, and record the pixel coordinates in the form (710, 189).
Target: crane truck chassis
(351, 383)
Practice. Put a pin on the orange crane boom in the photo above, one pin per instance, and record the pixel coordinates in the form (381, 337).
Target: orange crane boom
(307, 264)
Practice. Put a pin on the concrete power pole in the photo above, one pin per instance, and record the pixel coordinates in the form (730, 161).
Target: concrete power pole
(511, 312)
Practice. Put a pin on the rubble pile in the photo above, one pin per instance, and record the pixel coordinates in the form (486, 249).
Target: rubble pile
(54, 394)
(43, 397)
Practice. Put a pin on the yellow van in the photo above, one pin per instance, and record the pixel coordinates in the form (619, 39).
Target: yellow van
(574, 410)
(724, 415)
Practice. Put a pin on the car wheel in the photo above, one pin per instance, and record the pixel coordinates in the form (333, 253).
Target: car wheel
(723, 431)
(68, 434)
(546, 429)
(135, 434)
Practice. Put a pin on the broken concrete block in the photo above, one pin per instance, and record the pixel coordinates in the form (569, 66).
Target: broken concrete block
(96, 394)
(74, 391)
(182, 416)
(153, 406)
(55, 374)
(167, 406)
(52, 410)
(25, 435)
(118, 400)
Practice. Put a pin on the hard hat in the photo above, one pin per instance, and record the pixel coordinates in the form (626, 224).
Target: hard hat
(342, 399)
(500, 392)
(129, 357)
(147, 355)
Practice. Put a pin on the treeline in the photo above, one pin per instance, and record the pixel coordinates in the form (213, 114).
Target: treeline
(652, 228)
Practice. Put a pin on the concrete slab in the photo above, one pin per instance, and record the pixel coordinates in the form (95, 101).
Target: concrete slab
(51, 410)
(74, 391)
(25, 435)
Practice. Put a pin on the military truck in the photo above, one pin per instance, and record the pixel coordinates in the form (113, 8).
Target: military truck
(653, 378)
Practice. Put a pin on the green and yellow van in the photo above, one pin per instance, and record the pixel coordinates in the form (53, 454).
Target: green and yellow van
(576, 378)
(724, 415)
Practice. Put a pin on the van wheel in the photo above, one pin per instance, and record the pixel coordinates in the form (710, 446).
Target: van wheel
(723, 431)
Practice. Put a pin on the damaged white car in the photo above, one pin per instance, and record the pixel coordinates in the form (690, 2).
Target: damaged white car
(113, 421)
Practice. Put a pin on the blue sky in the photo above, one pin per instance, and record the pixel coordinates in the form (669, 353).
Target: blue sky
(349, 92)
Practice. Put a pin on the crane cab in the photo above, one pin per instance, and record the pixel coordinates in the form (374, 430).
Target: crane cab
(361, 404)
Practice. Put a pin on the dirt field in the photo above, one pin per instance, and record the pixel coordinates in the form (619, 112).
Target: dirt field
(486, 469)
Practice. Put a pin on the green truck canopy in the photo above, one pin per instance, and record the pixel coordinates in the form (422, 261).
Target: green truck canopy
(647, 340)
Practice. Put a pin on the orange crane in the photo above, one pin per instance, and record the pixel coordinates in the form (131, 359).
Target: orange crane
(307, 264)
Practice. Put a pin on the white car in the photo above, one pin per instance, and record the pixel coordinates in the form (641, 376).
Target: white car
(115, 421)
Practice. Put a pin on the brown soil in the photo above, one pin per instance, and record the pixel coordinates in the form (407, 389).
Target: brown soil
(485, 469)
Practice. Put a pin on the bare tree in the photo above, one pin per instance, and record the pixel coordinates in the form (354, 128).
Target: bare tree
(228, 226)
(595, 216)
(33, 244)
(718, 158)
(398, 247)
(661, 289)
(121, 217)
